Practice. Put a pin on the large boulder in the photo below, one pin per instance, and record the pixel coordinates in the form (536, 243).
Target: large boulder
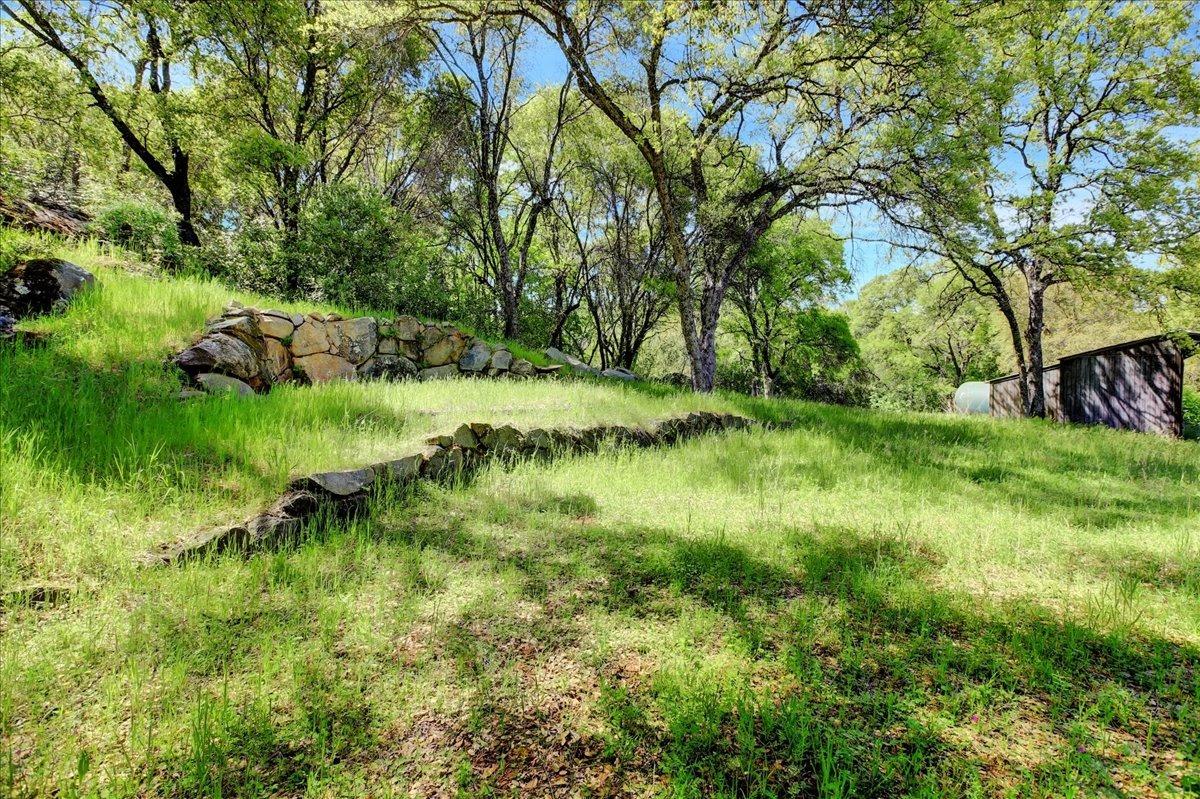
(408, 328)
(393, 346)
(504, 439)
(502, 360)
(388, 367)
(322, 367)
(439, 372)
(476, 358)
(277, 360)
(310, 337)
(440, 347)
(240, 327)
(40, 286)
(276, 324)
(221, 353)
(353, 339)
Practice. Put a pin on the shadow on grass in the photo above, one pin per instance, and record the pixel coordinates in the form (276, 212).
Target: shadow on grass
(860, 665)
(879, 661)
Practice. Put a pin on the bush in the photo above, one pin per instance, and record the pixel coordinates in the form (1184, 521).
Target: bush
(17, 246)
(146, 230)
(355, 248)
(1191, 414)
(352, 248)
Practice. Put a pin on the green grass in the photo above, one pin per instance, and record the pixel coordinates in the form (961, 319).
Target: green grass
(95, 440)
(866, 604)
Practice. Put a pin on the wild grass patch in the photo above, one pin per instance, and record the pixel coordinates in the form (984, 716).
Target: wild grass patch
(860, 604)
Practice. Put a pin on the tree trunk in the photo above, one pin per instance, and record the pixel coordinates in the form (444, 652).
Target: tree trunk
(180, 189)
(509, 306)
(704, 362)
(560, 312)
(1035, 402)
(764, 386)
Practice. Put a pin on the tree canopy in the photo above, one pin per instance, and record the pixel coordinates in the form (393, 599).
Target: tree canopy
(680, 179)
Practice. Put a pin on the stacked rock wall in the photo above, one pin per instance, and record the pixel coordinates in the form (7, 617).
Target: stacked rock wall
(249, 350)
(344, 494)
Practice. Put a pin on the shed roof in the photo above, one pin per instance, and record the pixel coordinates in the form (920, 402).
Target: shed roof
(1195, 336)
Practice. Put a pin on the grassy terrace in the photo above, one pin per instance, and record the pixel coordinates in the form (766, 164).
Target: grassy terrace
(865, 605)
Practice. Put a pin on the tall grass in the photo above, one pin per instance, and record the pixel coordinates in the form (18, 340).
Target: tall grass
(95, 442)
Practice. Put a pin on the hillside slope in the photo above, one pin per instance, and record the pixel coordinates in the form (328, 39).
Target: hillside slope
(865, 604)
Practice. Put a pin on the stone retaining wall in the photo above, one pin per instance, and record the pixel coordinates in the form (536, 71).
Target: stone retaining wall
(249, 350)
(445, 458)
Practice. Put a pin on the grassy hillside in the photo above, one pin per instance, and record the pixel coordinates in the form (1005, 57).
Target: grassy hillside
(866, 604)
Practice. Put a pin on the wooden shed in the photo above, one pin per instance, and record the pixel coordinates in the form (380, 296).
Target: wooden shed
(1136, 385)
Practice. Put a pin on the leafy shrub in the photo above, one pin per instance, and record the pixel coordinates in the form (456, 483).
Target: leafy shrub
(820, 362)
(17, 246)
(1191, 414)
(251, 259)
(146, 230)
(352, 248)
(356, 248)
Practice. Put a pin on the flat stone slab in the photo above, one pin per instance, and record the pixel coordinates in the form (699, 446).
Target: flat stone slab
(322, 367)
(341, 484)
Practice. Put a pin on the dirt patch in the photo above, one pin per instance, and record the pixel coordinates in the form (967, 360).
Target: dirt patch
(533, 750)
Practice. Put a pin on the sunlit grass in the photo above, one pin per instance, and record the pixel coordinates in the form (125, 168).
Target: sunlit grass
(95, 440)
(862, 604)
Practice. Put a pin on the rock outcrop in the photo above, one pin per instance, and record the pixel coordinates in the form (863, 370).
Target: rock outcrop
(579, 366)
(39, 286)
(328, 496)
(44, 214)
(252, 350)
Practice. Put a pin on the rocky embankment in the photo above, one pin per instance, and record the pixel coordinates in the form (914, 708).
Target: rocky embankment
(249, 350)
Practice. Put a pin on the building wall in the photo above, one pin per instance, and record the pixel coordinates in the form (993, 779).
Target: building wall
(1006, 396)
(1138, 388)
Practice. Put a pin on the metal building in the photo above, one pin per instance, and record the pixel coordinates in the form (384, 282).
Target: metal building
(1137, 385)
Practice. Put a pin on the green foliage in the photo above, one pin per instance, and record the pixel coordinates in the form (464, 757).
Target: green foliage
(145, 229)
(822, 361)
(352, 247)
(50, 142)
(308, 90)
(1191, 413)
(17, 246)
(790, 344)
(922, 336)
(1076, 159)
